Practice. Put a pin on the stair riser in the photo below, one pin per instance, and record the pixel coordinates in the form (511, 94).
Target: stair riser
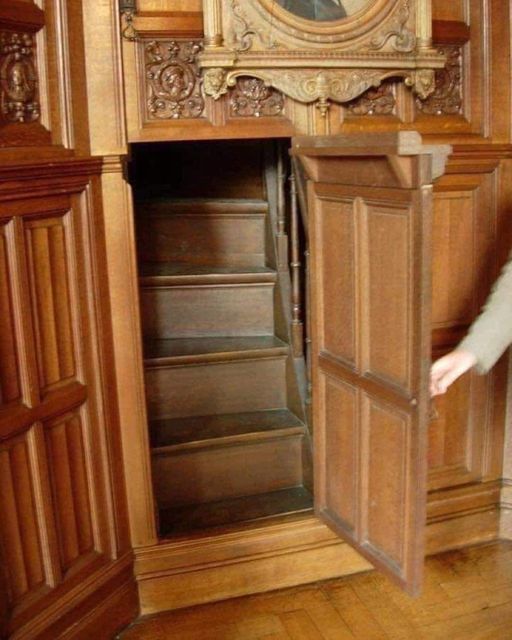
(212, 389)
(186, 312)
(225, 472)
(213, 239)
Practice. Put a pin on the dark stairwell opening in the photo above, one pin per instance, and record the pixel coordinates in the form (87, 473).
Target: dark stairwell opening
(226, 390)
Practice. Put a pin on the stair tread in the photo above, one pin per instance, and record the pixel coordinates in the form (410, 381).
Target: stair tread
(195, 349)
(185, 205)
(203, 429)
(169, 274)
(148, 269)
(235, 511)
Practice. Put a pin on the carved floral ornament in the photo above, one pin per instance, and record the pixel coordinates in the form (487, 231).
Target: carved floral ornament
(309, 59)
(173, 80)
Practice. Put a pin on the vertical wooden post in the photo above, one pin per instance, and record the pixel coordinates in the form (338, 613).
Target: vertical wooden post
(295, 265)
(282, 238)
(307, 340)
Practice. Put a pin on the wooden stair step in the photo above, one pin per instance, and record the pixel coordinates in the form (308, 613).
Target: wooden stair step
(205, 206)
(204, 431)
(222, 233)
(216, 387)
(224, 468)
(244, 510)
(177, 351)
(214, 309)
(176, 274)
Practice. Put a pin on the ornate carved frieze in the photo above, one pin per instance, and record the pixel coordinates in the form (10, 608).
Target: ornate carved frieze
(173, 79)
(18, 78)
(379, 101)
(316, 60)
(324, 87)
(446, 98)
(251, 97)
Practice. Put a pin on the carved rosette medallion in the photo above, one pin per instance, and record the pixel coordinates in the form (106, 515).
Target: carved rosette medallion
(18, 78)
(252, 98)
(173, 80)
(446, 98)
(378, 101)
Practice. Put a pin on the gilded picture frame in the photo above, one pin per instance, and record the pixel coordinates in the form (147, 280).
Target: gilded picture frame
(312, 60)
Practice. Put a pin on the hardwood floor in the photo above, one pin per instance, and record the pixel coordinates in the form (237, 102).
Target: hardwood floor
(467, 596)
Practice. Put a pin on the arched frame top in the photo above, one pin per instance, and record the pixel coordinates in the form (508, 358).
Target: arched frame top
(318, 61)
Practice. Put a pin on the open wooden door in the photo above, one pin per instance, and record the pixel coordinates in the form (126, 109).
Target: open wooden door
(369, 205)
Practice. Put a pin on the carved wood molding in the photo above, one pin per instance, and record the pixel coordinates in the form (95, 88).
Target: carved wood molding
(173, 79)
(18, 78)
(446, 98)
(251, 97)
(379, 101)
(333, 61)
(321, 86)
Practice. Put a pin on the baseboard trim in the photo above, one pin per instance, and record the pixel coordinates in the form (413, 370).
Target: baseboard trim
(181, 574)
(98, 608)
(506, 510)
(184, 573)
(462, 516)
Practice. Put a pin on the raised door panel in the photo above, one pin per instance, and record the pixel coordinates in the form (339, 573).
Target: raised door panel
(10, 382)
(47, 247)
(21, 536)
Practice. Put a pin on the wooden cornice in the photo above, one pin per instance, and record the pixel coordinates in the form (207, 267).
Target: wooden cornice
(21, 15)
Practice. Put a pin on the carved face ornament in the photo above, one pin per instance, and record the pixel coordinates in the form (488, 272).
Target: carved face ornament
(20, 87)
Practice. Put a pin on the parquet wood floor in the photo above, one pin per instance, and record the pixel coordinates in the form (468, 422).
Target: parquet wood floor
(467, 596)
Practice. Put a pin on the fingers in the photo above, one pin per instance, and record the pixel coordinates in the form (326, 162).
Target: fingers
(447, 369)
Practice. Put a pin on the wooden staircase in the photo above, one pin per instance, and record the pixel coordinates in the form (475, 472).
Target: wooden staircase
(226, 428)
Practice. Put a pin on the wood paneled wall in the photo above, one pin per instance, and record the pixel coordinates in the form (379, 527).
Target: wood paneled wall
(470, 109)
(472, 236)
(65, 550)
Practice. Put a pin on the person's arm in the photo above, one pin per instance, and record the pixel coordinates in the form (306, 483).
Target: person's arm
(487, 338)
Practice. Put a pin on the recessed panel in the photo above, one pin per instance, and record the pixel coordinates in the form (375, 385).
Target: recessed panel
(10, 389)
(19, 532)
(453, 270)
(337, 228)
(49, 272)
(386, 292)
(341, 451)
(387, 442)
(68, 474)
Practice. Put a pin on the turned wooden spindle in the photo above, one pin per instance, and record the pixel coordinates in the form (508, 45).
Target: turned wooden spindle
(282, 237)
(295, 267)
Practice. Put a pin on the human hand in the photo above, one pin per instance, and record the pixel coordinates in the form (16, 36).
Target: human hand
(448, 368)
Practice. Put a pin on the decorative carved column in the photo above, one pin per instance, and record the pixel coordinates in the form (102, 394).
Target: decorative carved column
(213, 25)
